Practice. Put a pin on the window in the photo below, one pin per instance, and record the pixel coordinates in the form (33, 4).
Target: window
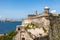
(18, 28)
(23, 38)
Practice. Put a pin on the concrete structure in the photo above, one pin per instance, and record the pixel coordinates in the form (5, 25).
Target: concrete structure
(42, 22)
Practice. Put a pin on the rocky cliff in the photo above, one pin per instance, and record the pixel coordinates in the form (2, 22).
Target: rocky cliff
(54, 29)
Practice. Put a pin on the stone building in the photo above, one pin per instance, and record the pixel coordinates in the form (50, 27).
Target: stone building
(38, 32)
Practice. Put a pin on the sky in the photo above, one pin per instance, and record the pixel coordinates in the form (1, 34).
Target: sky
(19, 9)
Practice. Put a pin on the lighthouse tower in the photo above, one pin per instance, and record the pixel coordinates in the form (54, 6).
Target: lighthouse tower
(46, 9)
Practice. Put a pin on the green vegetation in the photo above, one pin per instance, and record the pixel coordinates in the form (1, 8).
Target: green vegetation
(8, 36)
(29, 26)
(44, 29)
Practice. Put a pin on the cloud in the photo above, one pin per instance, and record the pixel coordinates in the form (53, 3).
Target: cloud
(53, 11)
(0, 16)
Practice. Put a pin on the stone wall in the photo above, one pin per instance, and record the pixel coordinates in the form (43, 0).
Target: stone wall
(54, 32)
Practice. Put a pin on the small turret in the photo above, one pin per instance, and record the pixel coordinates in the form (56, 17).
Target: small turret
(46, 9)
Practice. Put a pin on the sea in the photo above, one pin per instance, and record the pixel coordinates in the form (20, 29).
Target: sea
(5, 27)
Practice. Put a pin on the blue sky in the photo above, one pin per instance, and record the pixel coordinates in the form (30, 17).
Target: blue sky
(18, 9)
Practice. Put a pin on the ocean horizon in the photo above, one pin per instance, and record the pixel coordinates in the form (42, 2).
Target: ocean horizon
(8, 26)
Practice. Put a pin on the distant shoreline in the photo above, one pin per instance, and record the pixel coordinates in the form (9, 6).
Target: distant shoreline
(10, 21)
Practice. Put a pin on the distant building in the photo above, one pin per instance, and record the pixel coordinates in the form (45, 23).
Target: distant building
(1, 35)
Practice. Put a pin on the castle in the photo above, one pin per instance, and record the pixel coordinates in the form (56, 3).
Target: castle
(36, 26)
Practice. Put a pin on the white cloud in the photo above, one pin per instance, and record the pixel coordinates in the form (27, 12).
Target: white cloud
(53, 11)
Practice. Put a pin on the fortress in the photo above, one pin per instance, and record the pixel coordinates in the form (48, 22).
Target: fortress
(36, 26)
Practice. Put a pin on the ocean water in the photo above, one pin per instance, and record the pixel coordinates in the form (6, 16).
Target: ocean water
(8, 26)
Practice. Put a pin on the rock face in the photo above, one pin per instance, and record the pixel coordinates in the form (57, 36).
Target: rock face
(55, 28)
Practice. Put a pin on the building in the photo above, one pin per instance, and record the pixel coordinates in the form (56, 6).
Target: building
(38, 26)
